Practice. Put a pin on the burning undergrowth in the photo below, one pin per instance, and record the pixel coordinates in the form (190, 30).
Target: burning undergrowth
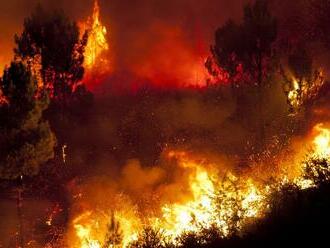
(186, 193)
(169, 153)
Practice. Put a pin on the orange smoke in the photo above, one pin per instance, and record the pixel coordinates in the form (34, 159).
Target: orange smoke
(171, 60)
(163, 58)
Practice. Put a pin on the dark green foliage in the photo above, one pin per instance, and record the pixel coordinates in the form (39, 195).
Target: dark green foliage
(26, 140)
(56, 40)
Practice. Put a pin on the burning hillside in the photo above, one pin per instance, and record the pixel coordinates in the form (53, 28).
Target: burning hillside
(202, 195)
(166, 139)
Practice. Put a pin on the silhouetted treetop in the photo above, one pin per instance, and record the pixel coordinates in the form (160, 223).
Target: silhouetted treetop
(53, 41)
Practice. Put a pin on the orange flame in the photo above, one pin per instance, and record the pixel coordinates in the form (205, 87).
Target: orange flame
(97, 41)
(226, 201)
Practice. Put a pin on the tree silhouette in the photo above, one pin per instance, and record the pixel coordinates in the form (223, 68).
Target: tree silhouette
(26, 140)
(245, 51)
(247, 48)
(150, 238)
(114, 234)
(53, 41)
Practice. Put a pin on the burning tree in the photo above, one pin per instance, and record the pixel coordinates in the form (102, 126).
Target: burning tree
(26, 140)
(44, 35)
(302, 82)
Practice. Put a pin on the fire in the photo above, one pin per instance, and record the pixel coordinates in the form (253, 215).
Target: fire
(303, 90)
(214, 202)
(97, 41)
(98, 228)
(320, 150)
(226, 200)
(84, 231)
(322, 141)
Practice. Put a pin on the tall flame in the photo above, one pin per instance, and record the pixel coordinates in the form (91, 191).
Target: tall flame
(97, 41)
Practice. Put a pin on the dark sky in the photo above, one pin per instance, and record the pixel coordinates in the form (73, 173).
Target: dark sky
(133, 24)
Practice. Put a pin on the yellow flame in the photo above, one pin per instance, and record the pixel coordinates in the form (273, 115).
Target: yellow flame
(322, 141)
(214, 199)
(84, 231)
(300, 91)
(97, 42)
(214, 202)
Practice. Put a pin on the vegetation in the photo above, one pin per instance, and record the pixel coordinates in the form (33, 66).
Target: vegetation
(42, 36)
(251, 119)
(26, 138)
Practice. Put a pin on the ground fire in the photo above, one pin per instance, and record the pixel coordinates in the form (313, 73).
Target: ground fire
(165, 125)
(221, 199)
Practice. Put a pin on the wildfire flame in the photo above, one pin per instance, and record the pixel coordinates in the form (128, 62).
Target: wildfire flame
(322, 141)
(215, 202)
(222, 200)
(303, 90)
(97, 41)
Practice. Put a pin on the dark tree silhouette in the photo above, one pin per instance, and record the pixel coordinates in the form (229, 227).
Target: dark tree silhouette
(114, 236)
(53, 40)
(247, 48)
(245, 51)
(150, 238)
(26, 139)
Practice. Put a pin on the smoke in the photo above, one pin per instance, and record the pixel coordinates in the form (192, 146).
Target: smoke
(136, 28)
(119, 153)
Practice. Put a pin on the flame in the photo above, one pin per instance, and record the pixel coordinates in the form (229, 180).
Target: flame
(303, 90)
(214, 202)
(92, 228)
(320, 150)
(322, 141)
(212, 198)
(97, 41)
(84, 231)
